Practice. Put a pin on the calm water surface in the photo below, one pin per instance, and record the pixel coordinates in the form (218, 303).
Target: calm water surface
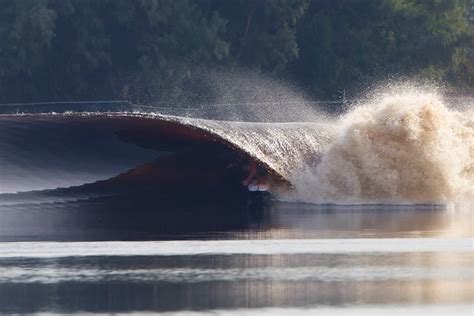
(103, 256)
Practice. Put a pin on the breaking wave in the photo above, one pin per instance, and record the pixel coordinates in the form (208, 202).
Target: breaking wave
(408, 147)
(401, 148)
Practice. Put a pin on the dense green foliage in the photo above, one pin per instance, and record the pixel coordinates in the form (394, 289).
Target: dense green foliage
(158, 50)
(359, 41)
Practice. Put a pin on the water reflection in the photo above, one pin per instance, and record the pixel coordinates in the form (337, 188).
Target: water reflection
(41, 216)
(169, 283)
(368, 221)
(289, 256)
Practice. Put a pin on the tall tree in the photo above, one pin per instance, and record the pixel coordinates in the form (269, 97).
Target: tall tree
(348, 44)
(66, 49)
(153, 51)
(262, 33)
(26, 36)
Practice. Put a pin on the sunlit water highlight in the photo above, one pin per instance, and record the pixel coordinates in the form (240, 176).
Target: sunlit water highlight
(231, 247)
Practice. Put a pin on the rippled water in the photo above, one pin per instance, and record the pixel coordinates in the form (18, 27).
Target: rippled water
(276, 259)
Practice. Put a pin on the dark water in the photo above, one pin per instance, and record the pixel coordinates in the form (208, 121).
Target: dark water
(268, 258)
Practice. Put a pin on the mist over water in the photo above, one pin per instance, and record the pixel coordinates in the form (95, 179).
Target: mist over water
(244, 95)
(263, 99)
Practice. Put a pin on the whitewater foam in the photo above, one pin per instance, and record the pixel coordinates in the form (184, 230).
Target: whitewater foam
(401, 148)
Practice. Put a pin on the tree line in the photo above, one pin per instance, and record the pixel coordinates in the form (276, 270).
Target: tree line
(151, 51)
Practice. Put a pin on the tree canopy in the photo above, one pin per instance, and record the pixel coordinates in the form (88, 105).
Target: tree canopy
(151, 51)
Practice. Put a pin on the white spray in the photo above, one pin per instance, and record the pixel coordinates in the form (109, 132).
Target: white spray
(403, 147)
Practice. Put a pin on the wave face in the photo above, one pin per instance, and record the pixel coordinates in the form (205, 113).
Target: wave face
(39, 152)
(284, 147)
(400, 148)
(48, 151)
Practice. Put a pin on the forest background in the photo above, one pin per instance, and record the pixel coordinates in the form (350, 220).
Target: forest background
(167, 51)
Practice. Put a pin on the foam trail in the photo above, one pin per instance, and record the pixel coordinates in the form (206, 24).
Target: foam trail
(400, 148)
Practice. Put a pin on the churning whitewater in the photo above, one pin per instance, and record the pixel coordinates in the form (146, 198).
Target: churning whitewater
(400, 148)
